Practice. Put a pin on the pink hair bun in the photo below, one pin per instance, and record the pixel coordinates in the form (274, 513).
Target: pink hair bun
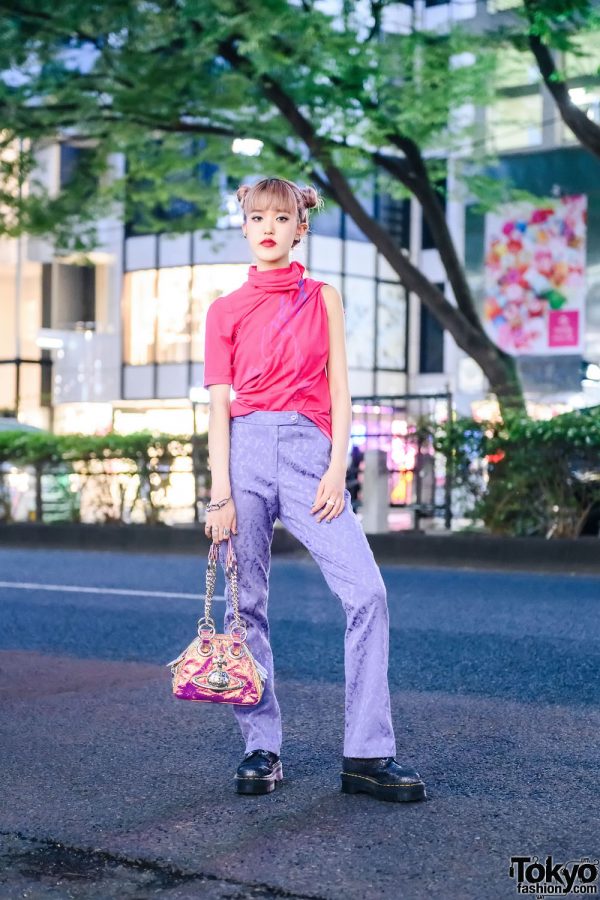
(311, 198)
(241, 192)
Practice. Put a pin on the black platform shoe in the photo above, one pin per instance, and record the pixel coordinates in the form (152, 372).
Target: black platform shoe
(382, 777)
(258, 772)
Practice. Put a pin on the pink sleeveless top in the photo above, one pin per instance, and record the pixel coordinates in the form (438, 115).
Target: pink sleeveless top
(270, 340)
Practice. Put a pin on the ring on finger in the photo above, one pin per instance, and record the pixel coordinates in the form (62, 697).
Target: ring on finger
(329, 515)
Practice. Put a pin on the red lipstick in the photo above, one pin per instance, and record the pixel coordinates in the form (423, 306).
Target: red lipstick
(267, 243)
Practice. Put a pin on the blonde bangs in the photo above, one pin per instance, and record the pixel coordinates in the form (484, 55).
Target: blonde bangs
(272, 193)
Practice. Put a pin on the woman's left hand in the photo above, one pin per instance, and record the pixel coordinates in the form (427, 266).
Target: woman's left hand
(331, 486)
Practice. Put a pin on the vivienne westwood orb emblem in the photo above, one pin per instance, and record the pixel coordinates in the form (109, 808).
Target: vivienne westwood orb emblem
(218, 679)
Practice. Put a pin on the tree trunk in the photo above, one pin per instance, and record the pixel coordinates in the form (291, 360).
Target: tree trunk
(498, 366)
(585, 130)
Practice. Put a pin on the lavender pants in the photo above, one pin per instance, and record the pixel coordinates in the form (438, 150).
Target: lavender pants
(277, 459)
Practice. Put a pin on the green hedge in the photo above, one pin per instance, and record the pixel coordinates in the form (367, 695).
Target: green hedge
(147, 455)
(30, 447)
(525, 476)
(520, 476)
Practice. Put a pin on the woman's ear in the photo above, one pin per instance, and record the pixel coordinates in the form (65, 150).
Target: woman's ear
(302, 229)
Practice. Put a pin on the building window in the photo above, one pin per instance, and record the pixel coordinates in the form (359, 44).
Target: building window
(581, 70)
(173, 310)
(359, 305)
(76, 295)
(73, 160)
(515, 119)
(515, 122)
(391, 326)
(69, 159)
(164, 310)
(583, 62)
(431, 356)
(588, 100)
(8, 387)
(210, 282)
(139, 316)
(394, 216)
(328, 222)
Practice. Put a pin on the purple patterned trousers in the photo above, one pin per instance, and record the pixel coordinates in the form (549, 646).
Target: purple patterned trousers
(277, 459)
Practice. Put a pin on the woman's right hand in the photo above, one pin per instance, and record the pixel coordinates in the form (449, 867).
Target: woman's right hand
(220, 523)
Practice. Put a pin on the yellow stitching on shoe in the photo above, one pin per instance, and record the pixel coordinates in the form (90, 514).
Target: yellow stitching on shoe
(374, 780)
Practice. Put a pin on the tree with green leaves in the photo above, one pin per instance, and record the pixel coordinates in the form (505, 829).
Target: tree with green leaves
(556, 25)
(338, 100)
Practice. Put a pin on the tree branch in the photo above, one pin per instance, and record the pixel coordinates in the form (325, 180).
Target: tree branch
(49, 22)
(416, 178)
(585, 130)
(467, 331)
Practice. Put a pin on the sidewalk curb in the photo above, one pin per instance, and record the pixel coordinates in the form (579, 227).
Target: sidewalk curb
(456, 550)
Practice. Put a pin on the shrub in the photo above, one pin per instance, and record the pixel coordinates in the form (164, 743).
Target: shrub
(526, 476)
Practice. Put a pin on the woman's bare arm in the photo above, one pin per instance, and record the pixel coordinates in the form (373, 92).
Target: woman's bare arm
(337, 377)
(218, 441)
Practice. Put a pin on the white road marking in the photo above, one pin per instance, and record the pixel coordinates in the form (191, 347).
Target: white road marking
(79, 589)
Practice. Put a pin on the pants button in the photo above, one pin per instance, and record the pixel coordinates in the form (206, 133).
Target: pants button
(294, 418)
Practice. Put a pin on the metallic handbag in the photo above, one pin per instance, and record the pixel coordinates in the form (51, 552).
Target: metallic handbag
(219, 668)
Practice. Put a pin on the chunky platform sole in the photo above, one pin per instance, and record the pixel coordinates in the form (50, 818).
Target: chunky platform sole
(259, 784)
(353, 784)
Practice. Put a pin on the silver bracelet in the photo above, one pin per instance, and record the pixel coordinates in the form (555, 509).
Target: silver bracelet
(212, 506)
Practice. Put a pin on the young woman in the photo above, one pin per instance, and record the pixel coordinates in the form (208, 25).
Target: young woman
(279, 451)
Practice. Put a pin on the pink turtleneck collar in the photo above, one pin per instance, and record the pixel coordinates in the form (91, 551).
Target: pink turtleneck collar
(282, 279)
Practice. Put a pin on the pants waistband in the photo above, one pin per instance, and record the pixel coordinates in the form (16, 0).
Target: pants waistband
(274, 417)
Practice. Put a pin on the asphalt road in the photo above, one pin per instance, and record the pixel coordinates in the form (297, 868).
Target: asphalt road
(112, 788)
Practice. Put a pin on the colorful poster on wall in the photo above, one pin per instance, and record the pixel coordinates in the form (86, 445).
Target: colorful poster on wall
(535, 276)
